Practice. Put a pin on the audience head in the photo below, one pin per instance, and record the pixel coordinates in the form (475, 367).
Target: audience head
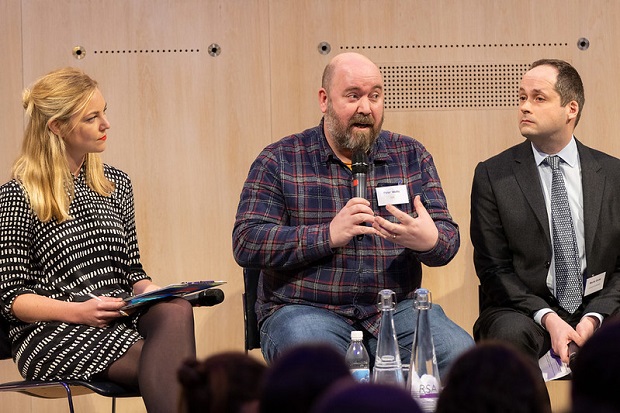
(494, 377)
(353, 397)
(595, 371)
(223, 383)
(300, 376)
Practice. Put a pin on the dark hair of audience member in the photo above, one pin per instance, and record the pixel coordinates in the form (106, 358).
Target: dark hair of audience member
(223, 383)
(300, 376)
(596, 378)
(494, 377)
(353, 397)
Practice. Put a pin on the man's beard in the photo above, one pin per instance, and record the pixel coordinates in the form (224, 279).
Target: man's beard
(343, 135)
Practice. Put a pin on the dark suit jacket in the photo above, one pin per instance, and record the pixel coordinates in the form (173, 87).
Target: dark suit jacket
(511, 237)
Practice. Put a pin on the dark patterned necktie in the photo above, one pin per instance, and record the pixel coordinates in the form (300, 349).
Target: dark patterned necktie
(567, 266)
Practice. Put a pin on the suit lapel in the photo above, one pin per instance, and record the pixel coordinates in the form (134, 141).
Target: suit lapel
(526, 174)
(593, 182)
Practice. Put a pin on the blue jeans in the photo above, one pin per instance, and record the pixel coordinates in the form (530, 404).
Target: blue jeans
(295, 324)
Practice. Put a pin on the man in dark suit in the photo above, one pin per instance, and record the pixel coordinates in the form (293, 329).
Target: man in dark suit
(520, 258)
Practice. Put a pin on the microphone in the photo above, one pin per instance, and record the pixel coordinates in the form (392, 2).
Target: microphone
(359, 167)
(572, 352)
(206, 298)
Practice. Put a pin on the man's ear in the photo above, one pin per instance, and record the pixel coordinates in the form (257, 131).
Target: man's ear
(573, 109)
(323, 100)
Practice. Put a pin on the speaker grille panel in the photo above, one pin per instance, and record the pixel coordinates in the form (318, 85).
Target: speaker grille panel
(456, 86)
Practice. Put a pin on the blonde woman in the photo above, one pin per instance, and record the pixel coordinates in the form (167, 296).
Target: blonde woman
(69, 254)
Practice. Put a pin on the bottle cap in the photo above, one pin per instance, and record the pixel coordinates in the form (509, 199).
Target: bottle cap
(422, 299)
(357, 335)
(387, 300)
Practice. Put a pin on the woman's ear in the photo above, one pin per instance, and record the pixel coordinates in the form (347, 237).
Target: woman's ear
(54, 127)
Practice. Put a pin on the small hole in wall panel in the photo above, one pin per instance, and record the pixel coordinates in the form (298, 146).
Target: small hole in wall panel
(455, 46)
(145, 51)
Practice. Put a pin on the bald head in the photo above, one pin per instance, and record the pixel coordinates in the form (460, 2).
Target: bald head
(348, 62)
(352, 100)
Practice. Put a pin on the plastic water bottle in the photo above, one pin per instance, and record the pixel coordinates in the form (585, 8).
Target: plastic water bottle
(423, 381)
(388, 368)
(357, 358)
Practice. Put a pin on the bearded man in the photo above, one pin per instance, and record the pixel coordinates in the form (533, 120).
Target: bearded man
(325, 254)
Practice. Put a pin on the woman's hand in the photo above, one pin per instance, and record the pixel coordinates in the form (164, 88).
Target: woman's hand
(100, 311)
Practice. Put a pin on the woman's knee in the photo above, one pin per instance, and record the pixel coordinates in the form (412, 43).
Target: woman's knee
(176, 307)
(175, 313)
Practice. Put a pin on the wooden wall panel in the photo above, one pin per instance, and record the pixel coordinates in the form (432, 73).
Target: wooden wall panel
(186, 125)
(10, 84)
(11, 121)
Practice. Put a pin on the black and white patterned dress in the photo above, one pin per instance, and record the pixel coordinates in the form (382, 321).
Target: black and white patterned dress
(96, 251)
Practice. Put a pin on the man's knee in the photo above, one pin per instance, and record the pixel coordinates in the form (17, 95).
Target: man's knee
(294, 325)
(516, 329)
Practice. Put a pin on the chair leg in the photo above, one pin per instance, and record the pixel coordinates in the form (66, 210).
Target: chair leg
(69, 398)
(113, 404)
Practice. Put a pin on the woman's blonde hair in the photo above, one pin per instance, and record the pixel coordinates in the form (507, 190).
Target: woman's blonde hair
(42, 167)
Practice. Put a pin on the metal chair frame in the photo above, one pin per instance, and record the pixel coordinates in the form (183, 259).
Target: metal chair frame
(59, 389)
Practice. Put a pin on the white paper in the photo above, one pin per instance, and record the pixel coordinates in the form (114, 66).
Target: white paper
(552, 367)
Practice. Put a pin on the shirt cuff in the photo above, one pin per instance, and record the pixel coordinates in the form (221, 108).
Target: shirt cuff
(538, 315)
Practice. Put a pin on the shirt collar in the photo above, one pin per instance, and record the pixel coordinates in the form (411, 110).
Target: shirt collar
(568, 154)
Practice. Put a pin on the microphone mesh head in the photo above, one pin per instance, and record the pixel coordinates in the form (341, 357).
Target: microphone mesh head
(359, 162)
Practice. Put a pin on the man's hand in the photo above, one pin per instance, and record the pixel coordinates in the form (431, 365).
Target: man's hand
(561, 334)
(586, 327)
(418, 233)
(347, 223)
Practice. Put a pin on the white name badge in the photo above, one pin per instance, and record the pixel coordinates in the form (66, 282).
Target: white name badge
(394, 195)
(594, 284)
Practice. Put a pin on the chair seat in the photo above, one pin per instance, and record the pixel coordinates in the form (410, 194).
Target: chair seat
(59, 389)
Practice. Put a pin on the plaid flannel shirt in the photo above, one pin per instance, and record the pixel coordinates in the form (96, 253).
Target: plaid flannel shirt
(294, 189)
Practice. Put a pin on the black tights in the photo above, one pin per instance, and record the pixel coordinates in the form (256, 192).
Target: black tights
(151, 364)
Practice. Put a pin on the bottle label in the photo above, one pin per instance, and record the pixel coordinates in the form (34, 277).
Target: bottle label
(425, 390)
(361, 375)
